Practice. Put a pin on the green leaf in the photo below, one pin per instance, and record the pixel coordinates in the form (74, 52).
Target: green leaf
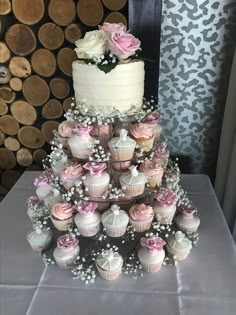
(108, 67)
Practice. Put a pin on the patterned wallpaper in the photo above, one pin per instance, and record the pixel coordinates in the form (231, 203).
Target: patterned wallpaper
(196, 53)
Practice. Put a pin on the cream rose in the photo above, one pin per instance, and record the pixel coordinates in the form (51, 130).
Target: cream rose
(94, 44)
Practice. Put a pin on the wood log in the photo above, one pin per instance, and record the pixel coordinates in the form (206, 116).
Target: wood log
(65, 58)
(34, 167)
(28, 11)
(5, 75)
(5, 53)
(9, 178)
(3, 108)
(9, 125)
(114, 5)
(31, 137)
(52, 109)
(116, 17)
(59, 88)
(3, 192)
(36, 90)
(20, 39)
(2, 137)
(72, 33)
(8, 160)
(12, 143)
(44, 62)
(5, 7)
(90, 12)
(7, 95)
(62, 12)
(20, 67)
(24, 113)
(24, 157)
(47, 130)
(51, 36)
(39, 155)
(67, 103)
(16, 84)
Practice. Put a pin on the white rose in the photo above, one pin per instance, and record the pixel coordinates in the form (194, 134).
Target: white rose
(94, 44)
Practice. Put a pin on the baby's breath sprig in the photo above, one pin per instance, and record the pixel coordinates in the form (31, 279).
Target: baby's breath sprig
(47, 259)
(132, 266)
(98, 153)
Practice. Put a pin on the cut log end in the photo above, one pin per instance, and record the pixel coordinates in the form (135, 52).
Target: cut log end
(47, 130)
(72, 33)
(114, 5)
(36, 90)
(44, 62)
(8, 160)
(12, 143)
(39, 155)
(65, 58)
(5, 53)
(9, 125)
(24, 113)
(20, 67)
(116, 17)
(59, 88)
(28, 11)
(90, 12)
(16, 84)
(62, 12)
(24, 157)
(51, 36)
(52, 109)
(31, 137)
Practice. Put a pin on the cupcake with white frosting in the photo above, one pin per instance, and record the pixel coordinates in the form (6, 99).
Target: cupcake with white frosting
(62, 215)
(109, 265)
(122, 147)
(140, 217)
(179, 246)
(153, 171)
(143, 135)
(164, 205)
(71, 174)
(115, 221)
(133, 182)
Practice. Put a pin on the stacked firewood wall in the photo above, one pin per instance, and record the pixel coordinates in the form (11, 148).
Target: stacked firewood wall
(36, 53)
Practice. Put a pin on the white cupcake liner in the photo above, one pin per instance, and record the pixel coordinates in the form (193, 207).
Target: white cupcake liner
(141, 226)
(65, 263)
(89, 230)
(122, 154)
(79, 153)
(151, 267)
(113, 231)
(180, 255)
(109, 275)
(62, 225)
(146, 145)
(154, 180)
(134, 190)
(164, 215)
(96, 191)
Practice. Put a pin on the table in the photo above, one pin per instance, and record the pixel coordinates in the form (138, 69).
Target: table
(204, 284)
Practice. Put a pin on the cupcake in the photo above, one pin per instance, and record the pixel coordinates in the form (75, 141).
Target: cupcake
(122, 147)
(109, 265)
(81, 143)
(87, 219)
(140, 217)
(164, 205)
(143, 135)
(43, 186)
(179, 246)
(151, 254)
(153, 171)
(62, 215)
(152, 121)
(58, 161)
(71, 174)
(133, 182)
(161, 154)
(66, 252)
(115, 221)
(39, 239)
(103, 133)
(35, 209)
(65, 132)
(187, 219)
(96, 181)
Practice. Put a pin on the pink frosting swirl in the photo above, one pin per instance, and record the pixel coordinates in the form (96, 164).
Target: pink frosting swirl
(65, 129)
(113, 27)
(81, 130)
(188, 211)
(161, 151)
(141, 212)
(86, 207)
(150, 168)
(62, 210)
(95, 168)
(123, 45)
(67, 241)
(152, 118)
(32, 201)
(101, 130)
(165, 197)
(42, 180)
(141, 130)
(152, 244)
(72, 171)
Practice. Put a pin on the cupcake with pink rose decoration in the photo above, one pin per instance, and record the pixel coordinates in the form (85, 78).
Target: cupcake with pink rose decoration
(81, 143)
(133, 182)
(103, 133)
(96, 181)
(141, 216)
(152, 121)
(164, 205)
(65, 131)
(161, 154)
(122, 147)
(62, 215)
(115, 221)
(71, 174)
(67, 251)
(151, 254)
(153, 171)
(187, 219)
(143, 135)
(87, 219)
(109, 264)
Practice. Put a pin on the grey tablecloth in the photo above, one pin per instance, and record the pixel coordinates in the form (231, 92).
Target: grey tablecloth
(204, 284)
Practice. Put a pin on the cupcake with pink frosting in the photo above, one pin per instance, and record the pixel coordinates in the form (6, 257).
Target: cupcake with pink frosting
(81, 143)
(66, 252)
(161, 154)
(103, 133)
(164, 205)
(153, 171)
(62, 215)
(151, 253)
(71, 174)
(96, 181)
(143, 135)
(65, 131)
(140, 217)
(87, 219)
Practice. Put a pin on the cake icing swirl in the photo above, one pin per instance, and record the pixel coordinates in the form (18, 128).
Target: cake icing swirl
(141, 130)
(165, 197)
(150, 168)
(141, 212)
(62, 210)
(73, 171)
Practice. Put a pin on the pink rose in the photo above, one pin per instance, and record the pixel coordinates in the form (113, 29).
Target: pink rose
(65, 129)
(165, 197)
(161, 151)
(152, 118)
(42, 180)
(187, 211)
(67, 241)
(32, 201)
(113, 27)
(123, 45)
(95, 168)
(86, 207)
(81, 130)
(153, 243)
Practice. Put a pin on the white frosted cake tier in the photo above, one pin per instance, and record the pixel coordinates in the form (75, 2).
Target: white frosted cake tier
(119, 90)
